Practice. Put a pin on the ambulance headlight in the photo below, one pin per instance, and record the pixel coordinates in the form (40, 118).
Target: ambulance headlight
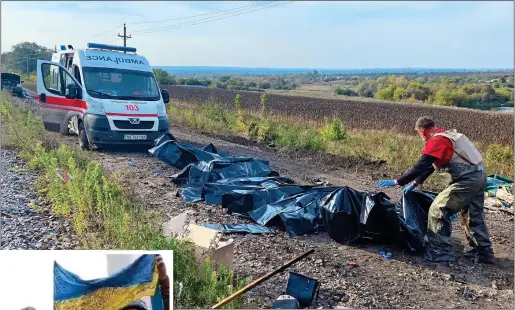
(95, 107)
(161, 109)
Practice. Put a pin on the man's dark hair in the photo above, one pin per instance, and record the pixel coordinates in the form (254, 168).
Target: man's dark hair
(425, 122)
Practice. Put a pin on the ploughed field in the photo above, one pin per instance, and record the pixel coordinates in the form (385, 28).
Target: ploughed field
(480, 126)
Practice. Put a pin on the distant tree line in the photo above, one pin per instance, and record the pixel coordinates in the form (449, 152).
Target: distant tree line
(460, 91)
(23, 57)
(227, 82)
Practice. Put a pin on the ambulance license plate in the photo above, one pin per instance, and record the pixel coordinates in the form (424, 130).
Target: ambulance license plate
(135, 137)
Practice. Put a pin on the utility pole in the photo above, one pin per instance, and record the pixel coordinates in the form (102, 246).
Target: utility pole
(125, 37)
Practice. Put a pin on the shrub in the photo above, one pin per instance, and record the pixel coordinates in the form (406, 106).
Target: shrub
(267, 132)
(309, 139)
(386, 93)
(496, 155)
(215, 112)
(264, 101)
(333, 130)
(253, 129)
(345, 92)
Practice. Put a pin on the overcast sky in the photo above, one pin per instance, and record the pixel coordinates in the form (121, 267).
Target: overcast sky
(306, 34)
(27, 277)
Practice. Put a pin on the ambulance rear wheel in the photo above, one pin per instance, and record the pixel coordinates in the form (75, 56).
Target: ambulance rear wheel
(83, 138)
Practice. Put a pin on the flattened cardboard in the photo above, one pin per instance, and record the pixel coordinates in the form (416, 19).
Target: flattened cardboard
(207, 242)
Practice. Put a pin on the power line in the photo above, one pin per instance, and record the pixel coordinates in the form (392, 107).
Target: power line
(103, 33)
(187, 17)
(192, 21)
(211, 13)
(112, 41)
(149, 31)
(200, 21)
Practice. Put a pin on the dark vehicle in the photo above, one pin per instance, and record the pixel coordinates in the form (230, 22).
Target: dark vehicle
(12, 83)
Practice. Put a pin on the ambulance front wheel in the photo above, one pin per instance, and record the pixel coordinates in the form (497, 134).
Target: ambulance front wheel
(83, 138)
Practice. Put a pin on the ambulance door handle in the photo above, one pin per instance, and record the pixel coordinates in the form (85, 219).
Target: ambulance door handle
(43, 98)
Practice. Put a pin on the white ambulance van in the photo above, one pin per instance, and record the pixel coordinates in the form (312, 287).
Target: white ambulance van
(105, 94)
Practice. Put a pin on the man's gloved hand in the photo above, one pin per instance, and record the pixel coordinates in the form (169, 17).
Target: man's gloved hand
(409, 188)
(386, 183)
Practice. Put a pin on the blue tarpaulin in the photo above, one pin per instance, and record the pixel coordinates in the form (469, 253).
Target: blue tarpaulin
(495, 182)
(250, 187)
(239, 228)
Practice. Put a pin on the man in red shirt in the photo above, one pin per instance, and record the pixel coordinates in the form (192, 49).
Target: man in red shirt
(455, 153)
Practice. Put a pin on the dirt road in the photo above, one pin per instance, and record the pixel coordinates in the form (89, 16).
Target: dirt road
(405, 281)
(354, 277)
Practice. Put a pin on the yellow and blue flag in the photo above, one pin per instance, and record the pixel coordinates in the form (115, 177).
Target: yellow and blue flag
(137, 280)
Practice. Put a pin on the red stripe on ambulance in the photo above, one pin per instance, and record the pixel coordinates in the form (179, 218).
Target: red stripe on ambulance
(128, 114)
(65, 102)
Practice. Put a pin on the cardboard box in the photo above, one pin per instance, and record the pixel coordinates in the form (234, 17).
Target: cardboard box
(207, 242)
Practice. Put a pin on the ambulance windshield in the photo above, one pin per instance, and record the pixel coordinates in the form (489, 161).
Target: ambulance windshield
(109, 83)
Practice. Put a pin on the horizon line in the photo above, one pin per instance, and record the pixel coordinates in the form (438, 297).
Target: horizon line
(321, 68)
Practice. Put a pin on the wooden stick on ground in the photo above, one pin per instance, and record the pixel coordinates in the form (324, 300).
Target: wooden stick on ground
(6, 215)
(263, 278)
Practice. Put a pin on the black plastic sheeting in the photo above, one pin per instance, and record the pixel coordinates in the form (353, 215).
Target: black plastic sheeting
(414, 209)
(250, 187)
(350, 216)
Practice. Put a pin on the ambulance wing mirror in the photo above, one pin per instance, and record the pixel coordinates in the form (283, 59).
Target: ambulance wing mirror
(166, 96)
(73, 92)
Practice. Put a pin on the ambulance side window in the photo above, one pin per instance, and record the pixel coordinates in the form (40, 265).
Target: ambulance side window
(76, 73)
(69, 65)
(51, 78)
(56, 79)
(67, 81)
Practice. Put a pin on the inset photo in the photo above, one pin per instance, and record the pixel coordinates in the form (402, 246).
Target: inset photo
(65, 280)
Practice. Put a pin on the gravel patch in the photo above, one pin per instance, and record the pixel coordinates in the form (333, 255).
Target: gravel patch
(26, 220)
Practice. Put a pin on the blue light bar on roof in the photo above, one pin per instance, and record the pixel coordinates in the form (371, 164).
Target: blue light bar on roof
(112, 47)
(63, 48)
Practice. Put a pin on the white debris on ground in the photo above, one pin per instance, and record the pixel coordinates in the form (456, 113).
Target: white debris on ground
(26, 220)
(502, 201)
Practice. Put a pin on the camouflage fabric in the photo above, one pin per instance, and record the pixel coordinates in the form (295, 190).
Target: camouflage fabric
(464, 195)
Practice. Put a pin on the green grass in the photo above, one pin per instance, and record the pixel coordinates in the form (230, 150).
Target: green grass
(331, 136)
(17, 170)
(103, 213)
